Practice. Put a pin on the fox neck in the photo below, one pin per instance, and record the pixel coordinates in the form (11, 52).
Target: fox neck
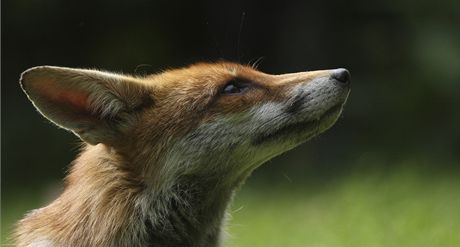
(119, 210)
(191, 214)
(188, 210)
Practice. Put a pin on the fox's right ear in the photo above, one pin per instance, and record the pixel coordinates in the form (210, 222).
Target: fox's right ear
(94, 105)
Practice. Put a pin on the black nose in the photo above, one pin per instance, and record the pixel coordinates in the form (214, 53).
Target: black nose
(342, 76)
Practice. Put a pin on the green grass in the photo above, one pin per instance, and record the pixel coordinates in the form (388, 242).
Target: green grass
(369, 210)
(14, 205)
(402, 208)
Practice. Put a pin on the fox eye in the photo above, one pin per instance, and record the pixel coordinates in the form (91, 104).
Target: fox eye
(235, 86)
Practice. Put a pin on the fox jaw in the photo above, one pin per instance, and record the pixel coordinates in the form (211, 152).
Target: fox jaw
(187, 136)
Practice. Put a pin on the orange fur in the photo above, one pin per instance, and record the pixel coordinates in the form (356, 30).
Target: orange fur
(137, 169)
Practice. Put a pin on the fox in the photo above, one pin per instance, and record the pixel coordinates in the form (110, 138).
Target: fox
(163, 154)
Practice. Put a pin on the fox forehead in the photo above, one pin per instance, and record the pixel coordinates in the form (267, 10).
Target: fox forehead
(191, 94)
(205, 74)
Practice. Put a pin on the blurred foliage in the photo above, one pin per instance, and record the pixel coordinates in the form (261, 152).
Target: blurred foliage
(378, 209)
(404, 57)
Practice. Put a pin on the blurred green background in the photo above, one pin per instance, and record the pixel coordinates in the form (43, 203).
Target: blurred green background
(386, 175)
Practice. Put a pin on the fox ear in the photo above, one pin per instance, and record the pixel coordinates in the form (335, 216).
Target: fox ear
(92, 104)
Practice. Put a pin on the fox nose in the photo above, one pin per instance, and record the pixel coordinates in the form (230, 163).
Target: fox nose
(342, 76)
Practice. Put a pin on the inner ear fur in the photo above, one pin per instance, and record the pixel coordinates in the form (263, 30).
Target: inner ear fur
(92, 104)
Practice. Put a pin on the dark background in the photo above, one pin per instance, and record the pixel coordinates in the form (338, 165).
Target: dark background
(404, 57)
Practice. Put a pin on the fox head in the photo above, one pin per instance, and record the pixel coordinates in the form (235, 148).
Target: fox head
(218, 120)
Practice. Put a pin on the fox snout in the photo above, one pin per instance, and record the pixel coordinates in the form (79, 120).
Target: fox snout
(320, 91)
(313, 103)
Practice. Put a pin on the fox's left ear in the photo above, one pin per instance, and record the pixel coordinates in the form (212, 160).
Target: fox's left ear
(95, 105)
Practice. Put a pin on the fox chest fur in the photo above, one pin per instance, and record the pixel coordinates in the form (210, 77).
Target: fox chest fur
(165, 153)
